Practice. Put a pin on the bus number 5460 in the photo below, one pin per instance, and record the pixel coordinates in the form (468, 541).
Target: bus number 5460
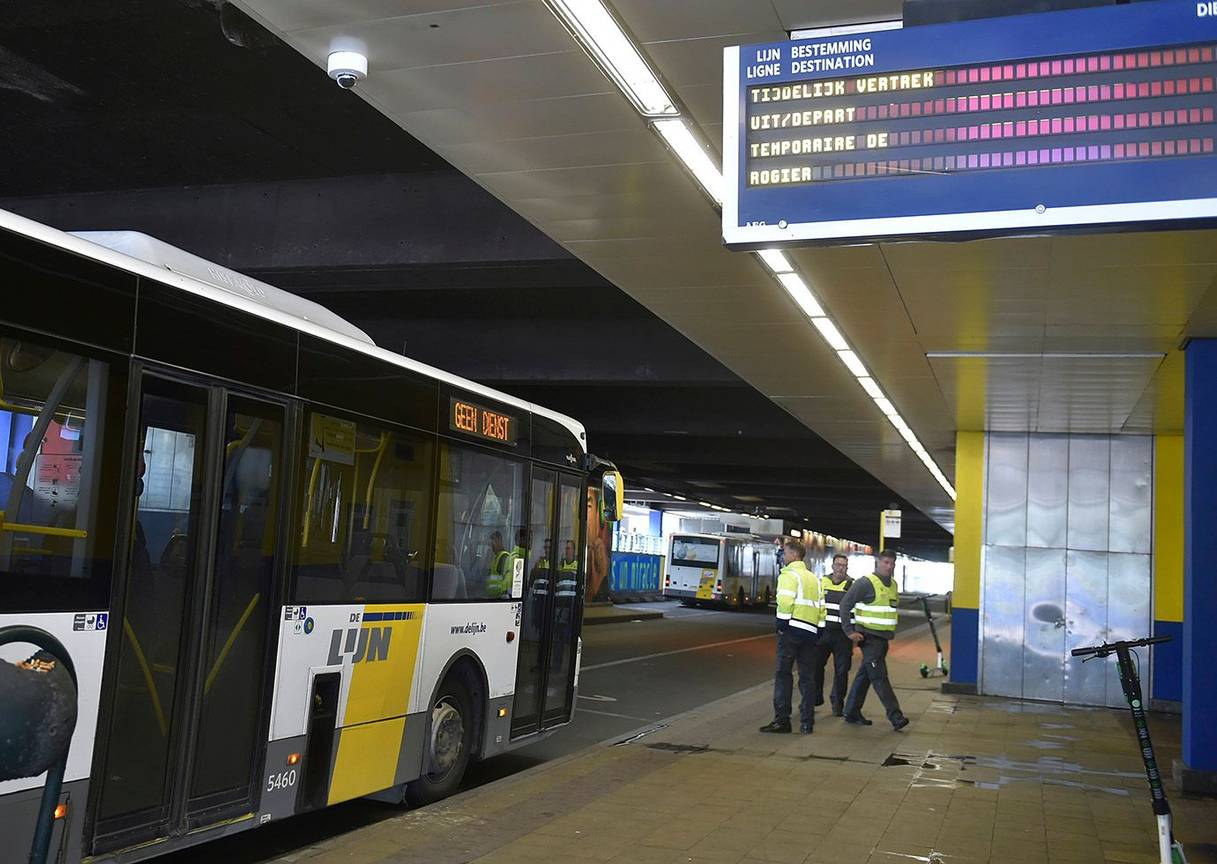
(281, 781)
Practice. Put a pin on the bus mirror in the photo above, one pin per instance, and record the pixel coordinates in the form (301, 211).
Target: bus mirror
(612, 494)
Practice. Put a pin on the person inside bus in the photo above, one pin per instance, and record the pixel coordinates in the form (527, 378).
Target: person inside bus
(498, 580)
(568, 571)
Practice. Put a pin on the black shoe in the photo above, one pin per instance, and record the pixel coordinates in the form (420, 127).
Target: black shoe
(900, 724)
(838, 711)
(778, 726)
(806, 728)
(857, 720)
(819, 701)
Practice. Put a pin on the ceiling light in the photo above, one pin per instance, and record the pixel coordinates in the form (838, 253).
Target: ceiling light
(868, 383)
(775, 260)
(887, 407)
(680, 497)
(853, 364)
(831, 334)
(1047, 355)
(614, 52)
(690, 151)
(800, 294)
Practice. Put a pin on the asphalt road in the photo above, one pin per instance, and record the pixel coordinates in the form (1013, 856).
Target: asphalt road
(634, 674)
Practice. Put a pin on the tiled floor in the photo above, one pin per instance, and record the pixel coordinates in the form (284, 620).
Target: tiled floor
(972, 780)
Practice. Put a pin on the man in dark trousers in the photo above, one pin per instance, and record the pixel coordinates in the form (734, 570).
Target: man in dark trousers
(868, 615)
(799, 618)
(833, 640)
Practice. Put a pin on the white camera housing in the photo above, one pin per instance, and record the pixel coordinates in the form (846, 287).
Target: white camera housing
(347, 68)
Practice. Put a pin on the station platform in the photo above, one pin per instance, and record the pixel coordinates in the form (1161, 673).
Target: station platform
(612, 613)
(973, 779)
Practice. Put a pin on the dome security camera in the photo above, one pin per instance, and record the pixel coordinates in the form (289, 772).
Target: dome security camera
(347, 68)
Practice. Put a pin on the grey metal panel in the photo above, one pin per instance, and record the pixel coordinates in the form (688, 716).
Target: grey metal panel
(1006, 508)
(1128, 613)
(1048, 491)
(1086, 623)
(1002, 621)
(1044, 627)
(1089, 465)
(1131, 493)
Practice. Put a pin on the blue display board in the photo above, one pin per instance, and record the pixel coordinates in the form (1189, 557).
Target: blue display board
(1088, 117)
(634, 572)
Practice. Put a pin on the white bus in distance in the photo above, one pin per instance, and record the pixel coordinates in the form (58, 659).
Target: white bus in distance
(722, 569)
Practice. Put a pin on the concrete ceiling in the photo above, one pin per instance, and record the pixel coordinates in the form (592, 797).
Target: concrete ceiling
(226, 142)
(501, 90)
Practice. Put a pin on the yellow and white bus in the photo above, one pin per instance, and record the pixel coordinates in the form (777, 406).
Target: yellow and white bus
(289, 568)
(736, 570)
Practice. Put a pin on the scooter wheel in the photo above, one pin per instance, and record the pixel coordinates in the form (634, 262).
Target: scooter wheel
(925, 671)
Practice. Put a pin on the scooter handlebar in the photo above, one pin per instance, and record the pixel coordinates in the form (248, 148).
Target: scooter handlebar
(1111, 647)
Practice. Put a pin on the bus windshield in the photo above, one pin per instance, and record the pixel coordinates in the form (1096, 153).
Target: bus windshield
(694, 552)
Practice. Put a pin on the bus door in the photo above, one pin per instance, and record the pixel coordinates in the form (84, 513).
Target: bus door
(552, 603)
(187, 717)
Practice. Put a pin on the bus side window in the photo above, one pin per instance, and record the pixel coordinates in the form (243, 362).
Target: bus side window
(52, 406)
(363, 524)
(480, 535)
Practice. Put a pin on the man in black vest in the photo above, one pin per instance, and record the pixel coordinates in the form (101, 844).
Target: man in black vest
(832, 637)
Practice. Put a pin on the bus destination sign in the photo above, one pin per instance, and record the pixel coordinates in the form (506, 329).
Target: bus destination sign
(481, 422)
(1087, 117)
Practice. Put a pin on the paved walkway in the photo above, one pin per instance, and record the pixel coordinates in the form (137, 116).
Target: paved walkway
(972, 780)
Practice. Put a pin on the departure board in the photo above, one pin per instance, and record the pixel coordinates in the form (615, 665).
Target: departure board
(1091, 117)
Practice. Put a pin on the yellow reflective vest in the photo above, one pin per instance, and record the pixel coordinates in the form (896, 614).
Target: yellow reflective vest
(834, 593)
(800, 598)
(881, 613)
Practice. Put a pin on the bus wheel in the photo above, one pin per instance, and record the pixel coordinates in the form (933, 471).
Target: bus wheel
(449, 745)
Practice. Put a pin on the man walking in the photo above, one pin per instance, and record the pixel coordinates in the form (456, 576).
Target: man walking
(799, 618)
(832, 636)
(868, 616)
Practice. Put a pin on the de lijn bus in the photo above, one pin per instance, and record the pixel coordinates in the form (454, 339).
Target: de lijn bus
(735, 570)
(290, 568)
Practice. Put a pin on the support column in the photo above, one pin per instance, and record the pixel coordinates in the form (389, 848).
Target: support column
(1198, 771)
(1168, 573)
(965, 597)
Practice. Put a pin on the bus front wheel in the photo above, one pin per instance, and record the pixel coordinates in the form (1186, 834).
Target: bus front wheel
(449, 745)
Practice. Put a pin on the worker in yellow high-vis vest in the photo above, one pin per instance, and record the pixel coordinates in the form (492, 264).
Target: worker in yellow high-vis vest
(799, 619)
(833, 641)
(868, 615)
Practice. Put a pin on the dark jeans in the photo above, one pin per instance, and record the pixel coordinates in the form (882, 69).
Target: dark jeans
(795, 646)
(873, 673)
(834, 642)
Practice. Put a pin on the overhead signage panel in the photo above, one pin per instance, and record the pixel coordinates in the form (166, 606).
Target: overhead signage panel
(1089, 117)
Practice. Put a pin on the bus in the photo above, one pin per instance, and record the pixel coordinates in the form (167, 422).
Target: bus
(721, 569)
(289, 568)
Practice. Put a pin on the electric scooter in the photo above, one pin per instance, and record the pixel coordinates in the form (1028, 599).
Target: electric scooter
(1170, 851)
(941, 667)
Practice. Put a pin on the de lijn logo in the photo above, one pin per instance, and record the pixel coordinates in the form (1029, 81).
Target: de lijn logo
(365, 643)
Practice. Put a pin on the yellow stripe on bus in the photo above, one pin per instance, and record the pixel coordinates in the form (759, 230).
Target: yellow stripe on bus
(380, 688)
(367, 759)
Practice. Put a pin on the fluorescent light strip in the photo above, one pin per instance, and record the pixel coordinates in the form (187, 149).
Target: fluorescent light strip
(855, 365)
(831, 334)
(801, 294)
(602, 37)
(689, 151)
(1047, 355)
(614, 52)
(775, 260)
